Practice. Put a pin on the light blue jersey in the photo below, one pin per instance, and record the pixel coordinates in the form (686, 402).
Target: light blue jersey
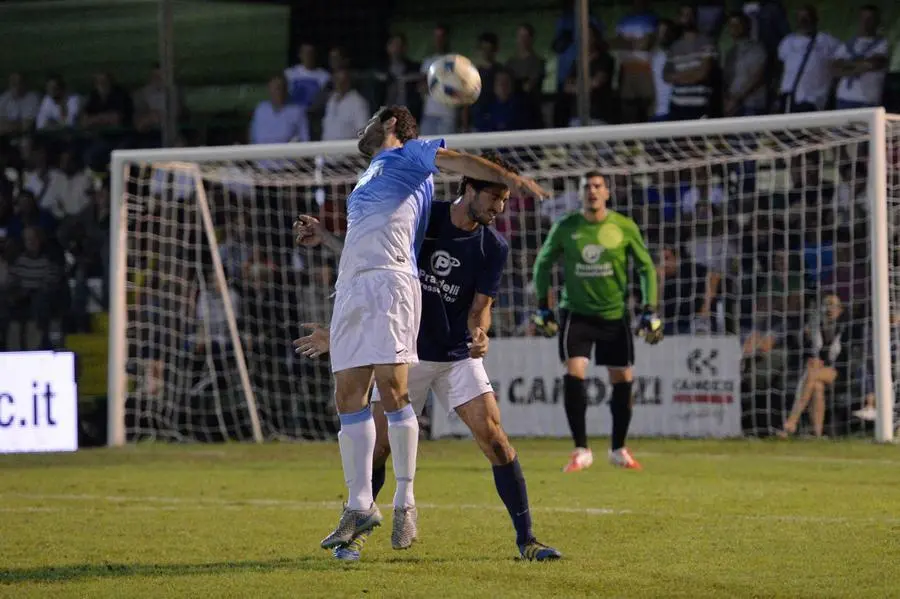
(388, 210)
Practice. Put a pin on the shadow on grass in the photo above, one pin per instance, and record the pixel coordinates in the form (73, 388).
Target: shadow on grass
(108, 570)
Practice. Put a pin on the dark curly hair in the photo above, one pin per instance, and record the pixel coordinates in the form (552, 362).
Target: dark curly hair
(477, 184)
(406, 128)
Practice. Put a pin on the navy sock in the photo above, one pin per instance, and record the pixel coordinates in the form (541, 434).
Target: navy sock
(575, 400)
(377, 480)
(620, 406)
(511, 488)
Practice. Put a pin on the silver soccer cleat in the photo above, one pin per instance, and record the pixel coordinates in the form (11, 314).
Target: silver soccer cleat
(352, 523)
(404, 531)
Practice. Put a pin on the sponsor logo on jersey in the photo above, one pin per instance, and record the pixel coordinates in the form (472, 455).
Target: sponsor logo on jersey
(591, 253)
(610, 236)
(442, 263)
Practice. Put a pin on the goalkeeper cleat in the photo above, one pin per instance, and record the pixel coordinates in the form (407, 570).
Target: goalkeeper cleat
(350, 552)
(580, 459)
(404, 531)
(538, 552)
(623, 459)
(351, 524)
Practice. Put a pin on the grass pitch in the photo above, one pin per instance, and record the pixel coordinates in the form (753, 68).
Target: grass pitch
(704, 519)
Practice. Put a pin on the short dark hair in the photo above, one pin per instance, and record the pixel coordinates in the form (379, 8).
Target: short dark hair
(812, 10)
(527, 27)
(875, 10)
(406, 128)
(478, 184)
(489, 37)
(400, 36)
(591, 174)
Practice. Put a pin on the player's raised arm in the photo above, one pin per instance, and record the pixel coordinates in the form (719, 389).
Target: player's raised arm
(650, 327)
(476, 167)
(543, 265)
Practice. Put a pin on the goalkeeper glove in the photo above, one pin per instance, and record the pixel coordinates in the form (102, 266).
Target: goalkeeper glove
(545, 322)
(650, 327)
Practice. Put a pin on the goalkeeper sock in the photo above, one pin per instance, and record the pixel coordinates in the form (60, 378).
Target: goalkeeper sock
(620, 406)
(575, 392)
(403, 435)
(378, 475)
(511, 488)
(357, 443)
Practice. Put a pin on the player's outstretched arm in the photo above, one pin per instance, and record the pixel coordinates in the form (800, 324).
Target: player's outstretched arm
(482, 169)
(309, 232)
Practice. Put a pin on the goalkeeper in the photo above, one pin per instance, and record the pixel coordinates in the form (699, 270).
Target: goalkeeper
(595, 244)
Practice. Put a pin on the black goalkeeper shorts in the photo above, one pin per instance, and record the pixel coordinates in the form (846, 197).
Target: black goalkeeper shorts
(611, 340)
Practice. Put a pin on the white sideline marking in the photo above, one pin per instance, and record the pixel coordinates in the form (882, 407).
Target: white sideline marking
(157, 504)
(779, 458)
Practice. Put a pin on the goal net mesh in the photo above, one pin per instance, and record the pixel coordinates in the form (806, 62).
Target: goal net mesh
(756, 235)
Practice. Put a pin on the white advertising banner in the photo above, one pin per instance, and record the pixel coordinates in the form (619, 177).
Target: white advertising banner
(38, 402)
(684, 386)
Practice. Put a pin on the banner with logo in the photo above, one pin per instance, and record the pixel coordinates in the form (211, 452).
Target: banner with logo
(38, 402)
(684, 386)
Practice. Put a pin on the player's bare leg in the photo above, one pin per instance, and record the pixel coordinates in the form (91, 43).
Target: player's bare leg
(356, 440)
(575, 399)
(403, 438)
(482, 416)
(621, 406)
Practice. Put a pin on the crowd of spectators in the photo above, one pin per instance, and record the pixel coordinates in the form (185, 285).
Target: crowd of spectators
(733, 257)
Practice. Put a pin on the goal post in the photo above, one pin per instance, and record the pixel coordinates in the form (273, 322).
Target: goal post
(207, 294)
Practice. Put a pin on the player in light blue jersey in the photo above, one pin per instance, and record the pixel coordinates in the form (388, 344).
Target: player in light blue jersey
(378, 305)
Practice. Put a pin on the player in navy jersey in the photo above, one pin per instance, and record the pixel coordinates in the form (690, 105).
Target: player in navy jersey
(460, 264)
(377, 306)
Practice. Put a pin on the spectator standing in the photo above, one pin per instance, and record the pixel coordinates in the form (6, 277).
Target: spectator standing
(18, 107)
(305, 79)
(150, 108)
(437, 118)
(861, 63)
(346, 111)
(691, 70)
(488, 45)
(744, 71)
(58, 109)
(403, 77)
(666, 34)
(276, 121)
(683, 289)
(806, 58)
(507, 111)
(603, 103)
(634, 39)
(769, 25)
(107, 114)
(33, 281)
(528, 71)
(564, 42)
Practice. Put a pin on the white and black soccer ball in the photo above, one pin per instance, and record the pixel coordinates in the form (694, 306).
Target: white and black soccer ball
(454, 80)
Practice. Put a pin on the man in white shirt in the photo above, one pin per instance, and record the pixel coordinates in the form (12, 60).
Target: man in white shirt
(346, 112)
(437, 118)
(306, 79)
(862, 63)
(276, 121)
(18, 106)
(67, 192)
(58, 109)
(806, 57)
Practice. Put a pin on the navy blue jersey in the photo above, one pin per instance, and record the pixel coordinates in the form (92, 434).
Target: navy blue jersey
(454, 265)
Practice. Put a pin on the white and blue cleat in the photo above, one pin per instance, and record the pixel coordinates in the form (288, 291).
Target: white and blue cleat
(350, 552)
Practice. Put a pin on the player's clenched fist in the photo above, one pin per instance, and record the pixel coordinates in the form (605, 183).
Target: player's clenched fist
(478, 347)
(316, 343)
(307, 231)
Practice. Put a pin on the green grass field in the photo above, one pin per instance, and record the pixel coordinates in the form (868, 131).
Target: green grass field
(704, 519)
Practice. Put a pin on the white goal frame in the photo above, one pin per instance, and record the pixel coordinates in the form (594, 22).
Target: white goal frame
(877, 197)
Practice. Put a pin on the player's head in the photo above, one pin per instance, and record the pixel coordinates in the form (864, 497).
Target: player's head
(485, 200)
(869, 20)
(594, 191)
(390, 126)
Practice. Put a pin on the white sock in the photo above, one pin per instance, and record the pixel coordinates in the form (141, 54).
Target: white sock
(403, 434)
(357, 442)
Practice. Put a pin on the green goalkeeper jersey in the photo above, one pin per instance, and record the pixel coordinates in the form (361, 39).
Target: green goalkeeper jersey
(595, 259)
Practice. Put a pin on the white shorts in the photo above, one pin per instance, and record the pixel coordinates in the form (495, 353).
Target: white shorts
(376, 320)
(453, 383)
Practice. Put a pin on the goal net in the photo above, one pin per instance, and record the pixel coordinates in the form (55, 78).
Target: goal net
(766, 233)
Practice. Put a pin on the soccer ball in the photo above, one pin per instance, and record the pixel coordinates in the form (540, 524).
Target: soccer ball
(454, 80)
